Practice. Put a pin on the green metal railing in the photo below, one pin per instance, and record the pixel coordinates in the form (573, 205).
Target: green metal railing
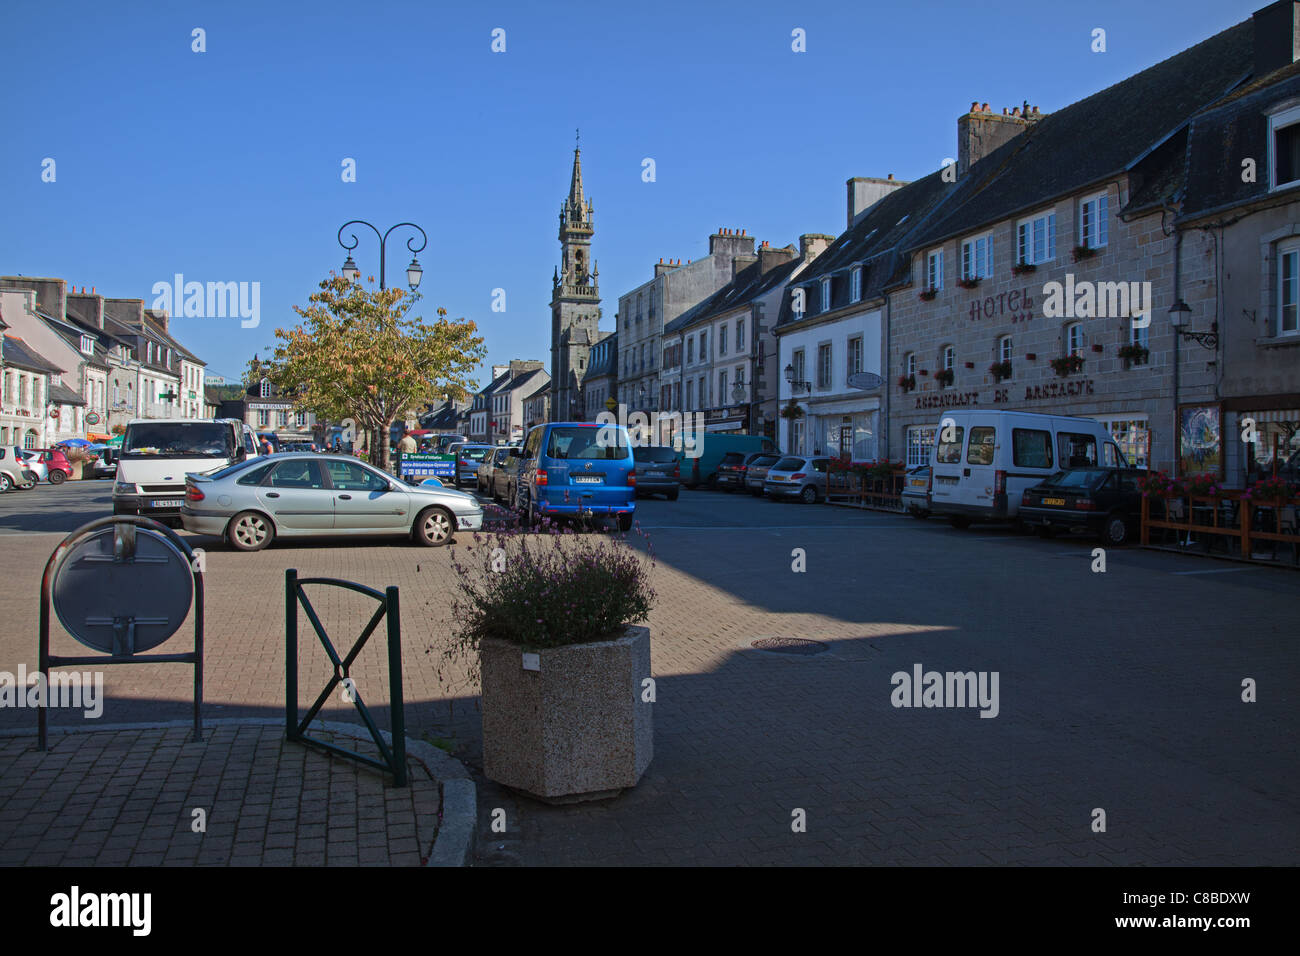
(394, 757)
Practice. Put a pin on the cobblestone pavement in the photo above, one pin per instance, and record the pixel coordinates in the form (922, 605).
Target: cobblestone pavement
(127, 797)
(1119, 692)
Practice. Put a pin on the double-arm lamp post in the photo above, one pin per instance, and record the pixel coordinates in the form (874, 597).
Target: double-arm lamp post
(413, 272)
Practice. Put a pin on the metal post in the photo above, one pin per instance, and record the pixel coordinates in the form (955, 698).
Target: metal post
(291, 654)
(198, 652)
(395, 686)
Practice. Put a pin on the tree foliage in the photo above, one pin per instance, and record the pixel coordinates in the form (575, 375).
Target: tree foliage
(360, 354)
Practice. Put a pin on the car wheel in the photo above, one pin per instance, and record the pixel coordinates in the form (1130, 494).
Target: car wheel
(27, 486)
(917, 513)
(5, 482)
(960, 522)
(250, 531)
(434, 527)
(672, 495)
(809, 495)
(1115, 531)
(625, 523)
(57, 477)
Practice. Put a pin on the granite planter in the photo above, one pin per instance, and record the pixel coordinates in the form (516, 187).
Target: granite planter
(567, 723)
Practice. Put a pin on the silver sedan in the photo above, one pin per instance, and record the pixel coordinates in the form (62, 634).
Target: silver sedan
(299, 495)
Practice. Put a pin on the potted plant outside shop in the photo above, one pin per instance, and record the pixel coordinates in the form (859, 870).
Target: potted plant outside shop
(548, 624)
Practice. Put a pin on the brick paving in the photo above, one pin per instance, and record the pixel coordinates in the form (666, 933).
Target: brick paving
(1119, 691)
(126, 797)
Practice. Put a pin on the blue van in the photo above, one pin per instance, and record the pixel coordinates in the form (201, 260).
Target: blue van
(577, 470)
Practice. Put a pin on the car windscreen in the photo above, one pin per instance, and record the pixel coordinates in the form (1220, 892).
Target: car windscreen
(474, 454)
(659, 454)
(178, 440)
(763, 461)
(587, 442)
(732, 458)
(788, 464)
(1078, 478)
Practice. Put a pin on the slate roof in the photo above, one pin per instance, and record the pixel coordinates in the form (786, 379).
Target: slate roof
(62, 395)
(875, 240)
(608, 364)
(1224, 133)
(21, 355)
(1100, 136)
(746, 286)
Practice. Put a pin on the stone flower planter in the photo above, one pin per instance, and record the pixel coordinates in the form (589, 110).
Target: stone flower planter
(575, 728)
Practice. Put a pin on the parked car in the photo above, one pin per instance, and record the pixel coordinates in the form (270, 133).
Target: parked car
(798, 476)
(1104, 501)
(485, 477)
(916, 492)
(298, 495)
(56, 463)
(983, 460)
(757, 471)
(104, 465)
(31, 460)
(506, 475)
(468, 458)
(732, 469)
(577, 470)
(658, 471)
(14, 473)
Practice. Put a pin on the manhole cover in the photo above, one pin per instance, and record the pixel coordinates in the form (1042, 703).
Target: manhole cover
(789, 645)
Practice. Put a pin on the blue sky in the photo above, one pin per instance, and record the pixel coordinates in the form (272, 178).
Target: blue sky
(225, 165)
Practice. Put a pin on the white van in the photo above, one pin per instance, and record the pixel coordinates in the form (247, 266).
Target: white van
(156, 453)
(982, 461)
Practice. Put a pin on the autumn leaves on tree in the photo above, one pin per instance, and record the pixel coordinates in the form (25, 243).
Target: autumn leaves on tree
(359, 354)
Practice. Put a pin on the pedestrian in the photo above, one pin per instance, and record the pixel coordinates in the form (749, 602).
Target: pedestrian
(407, 445)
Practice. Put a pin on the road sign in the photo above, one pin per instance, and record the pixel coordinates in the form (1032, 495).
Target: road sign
(421, 465)
(866, 381)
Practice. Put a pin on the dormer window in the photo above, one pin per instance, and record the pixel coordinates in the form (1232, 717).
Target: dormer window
(264, 389)
(1284, 148)
(826, 294)
(88, 344)
(855, 284)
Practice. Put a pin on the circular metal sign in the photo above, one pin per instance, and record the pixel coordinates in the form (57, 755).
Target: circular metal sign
(92, 418)
(866, 381)
(123, 590)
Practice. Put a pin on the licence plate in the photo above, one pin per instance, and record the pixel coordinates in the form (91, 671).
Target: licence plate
(1058, 502)
(944, 480)
(586, 479)
(165, 502)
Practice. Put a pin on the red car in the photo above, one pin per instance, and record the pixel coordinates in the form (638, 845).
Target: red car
(56, 462)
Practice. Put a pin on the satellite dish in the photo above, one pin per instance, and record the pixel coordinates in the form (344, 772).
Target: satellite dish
(123, 590)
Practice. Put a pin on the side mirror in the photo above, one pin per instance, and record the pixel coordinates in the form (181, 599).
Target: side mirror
(240, 453)
(516, 453)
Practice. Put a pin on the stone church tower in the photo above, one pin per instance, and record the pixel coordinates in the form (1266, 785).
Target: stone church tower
(575, 303)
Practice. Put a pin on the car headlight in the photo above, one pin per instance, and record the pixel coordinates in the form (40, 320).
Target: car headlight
(124, 488)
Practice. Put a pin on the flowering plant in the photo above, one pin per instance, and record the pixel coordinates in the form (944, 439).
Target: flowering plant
(1202, 486)
(907, 382)
(1000, 370)
(926, 295)
(1157, 484)
(1272, 488)
(548, 589)
(1066, 364)
(969, 283)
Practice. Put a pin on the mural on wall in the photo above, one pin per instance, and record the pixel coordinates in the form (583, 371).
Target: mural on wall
(1200, 441)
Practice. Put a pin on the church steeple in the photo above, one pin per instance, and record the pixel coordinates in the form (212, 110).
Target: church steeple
(575, 297)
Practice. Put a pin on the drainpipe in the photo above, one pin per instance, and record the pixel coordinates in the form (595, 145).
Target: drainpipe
(886, 424)
(1178, 273)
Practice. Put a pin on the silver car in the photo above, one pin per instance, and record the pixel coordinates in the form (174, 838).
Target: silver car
(32, 462)
(798, 476)
(305, 494)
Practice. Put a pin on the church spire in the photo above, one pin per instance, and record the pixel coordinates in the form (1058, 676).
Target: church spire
(575, 185)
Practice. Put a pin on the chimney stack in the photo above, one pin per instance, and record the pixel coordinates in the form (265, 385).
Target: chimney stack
(864, 192)
(981, 131)
(1277, 36)
(813, 244)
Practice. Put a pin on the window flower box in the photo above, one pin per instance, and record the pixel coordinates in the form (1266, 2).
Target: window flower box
(1133, 355)
(971, 283)
(907, 382)
(1023, 268)
(1082, 252)
(1000, 370)
(944, 376)
(1067, 365)
(927, 295)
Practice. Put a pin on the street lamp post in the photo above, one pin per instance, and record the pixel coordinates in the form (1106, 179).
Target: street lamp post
(414, 273)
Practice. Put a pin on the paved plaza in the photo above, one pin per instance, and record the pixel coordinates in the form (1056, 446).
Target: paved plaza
(1119, 693)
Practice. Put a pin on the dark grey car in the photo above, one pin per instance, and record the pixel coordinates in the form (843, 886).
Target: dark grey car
(757, 471)
(658, 471)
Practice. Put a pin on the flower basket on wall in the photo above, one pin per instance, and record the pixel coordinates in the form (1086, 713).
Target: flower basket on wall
(907, 382)
(1067, 365)
(944, 376)
(927, 295)
(1000, 370)
(791, 410)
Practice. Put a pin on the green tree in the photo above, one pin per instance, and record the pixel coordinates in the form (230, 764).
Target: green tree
(360, 354)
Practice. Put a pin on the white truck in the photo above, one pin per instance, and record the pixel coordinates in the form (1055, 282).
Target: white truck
(157, 453)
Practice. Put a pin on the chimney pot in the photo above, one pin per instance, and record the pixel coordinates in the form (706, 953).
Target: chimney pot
(974, 107)
(985, 109)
